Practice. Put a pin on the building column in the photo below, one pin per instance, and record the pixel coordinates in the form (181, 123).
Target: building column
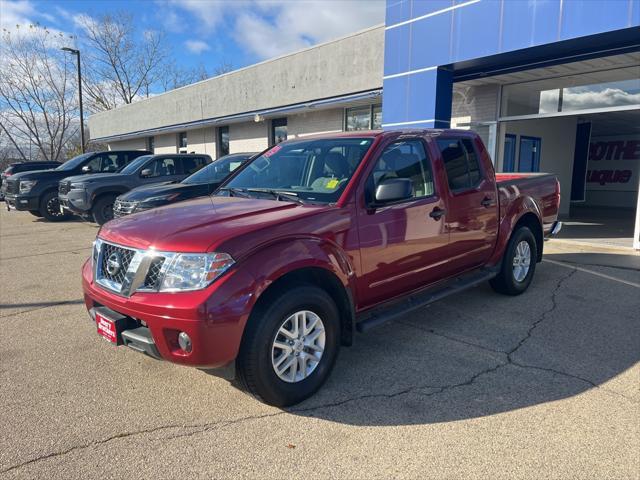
(419, 99)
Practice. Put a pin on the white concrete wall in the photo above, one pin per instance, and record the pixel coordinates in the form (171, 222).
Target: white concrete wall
(558, 144)
(167, 143)
(248, 137)
(133, 144)
(202, 140)
(323, 121)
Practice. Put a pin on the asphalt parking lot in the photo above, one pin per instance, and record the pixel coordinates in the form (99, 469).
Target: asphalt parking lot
(476, 386)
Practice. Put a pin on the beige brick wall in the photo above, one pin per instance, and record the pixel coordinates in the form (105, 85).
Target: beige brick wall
(248, 137)
(202, 141)
(167, 143)
(323, 121)
(474, 104)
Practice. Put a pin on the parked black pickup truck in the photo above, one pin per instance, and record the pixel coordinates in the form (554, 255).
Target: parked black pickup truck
(23, 167)
(93, 196)
(203, 182)
(37, 191)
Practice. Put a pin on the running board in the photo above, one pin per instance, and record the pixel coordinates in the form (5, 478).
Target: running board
(382, 314)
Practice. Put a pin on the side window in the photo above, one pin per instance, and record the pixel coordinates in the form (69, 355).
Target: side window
(95, 163)
(162, 167)
(406, 159)
(475, 173)
(110, 162)
(192, 164)
(461, 163)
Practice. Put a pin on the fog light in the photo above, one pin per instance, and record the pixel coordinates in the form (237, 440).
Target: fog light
(184, 342)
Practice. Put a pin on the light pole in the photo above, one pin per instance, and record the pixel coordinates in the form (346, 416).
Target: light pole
(77, 54)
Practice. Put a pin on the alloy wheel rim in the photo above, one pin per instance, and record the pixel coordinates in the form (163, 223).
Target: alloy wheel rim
(53, 207)
(298, 346)
(521, 261)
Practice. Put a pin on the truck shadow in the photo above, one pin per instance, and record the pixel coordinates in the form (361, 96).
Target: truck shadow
(480, 354)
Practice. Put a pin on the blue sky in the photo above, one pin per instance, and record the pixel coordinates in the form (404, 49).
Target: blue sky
(213, 32)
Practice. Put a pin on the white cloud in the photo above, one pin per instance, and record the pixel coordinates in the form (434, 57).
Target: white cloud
(15, 13)
(268, 28)
(197, 46)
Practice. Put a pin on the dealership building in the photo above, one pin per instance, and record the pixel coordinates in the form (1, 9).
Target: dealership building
(550, 85)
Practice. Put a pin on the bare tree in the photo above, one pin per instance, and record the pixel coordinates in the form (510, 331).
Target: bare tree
(37, 93)
(121, 64)
(224, 67)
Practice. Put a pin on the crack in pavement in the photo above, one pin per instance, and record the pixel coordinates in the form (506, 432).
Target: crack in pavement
(56, 304)
(78, 249)
(438, 389)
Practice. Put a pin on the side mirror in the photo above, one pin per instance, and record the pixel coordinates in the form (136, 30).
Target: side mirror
(146, 172)
(394, 189)
(86, 169)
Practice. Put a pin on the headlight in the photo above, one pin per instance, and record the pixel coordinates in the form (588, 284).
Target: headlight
(194, 271)
(27, 185)
(95, 252)
(77, 186)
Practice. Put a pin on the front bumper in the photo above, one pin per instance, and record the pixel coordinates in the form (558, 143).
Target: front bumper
(22, 202)
(214, 318)
(75, 201)
(554, 230)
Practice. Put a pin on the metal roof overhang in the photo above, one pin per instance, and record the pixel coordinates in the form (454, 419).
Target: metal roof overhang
(353, 99)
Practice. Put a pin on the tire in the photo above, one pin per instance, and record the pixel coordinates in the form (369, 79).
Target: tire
(515, 279)
(35, 213)
(102, 210)
(50, 208)
(259, 355)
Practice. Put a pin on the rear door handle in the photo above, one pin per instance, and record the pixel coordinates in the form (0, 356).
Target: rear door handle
(437, 212)
(486, 202)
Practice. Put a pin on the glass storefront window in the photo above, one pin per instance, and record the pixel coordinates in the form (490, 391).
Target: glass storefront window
(363, 118)
(595, 90)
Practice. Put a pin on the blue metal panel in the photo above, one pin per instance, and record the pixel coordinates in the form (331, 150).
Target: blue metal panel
(395, 101)
(422, 104)
(430, 41)
(425, 7)
(396, 53)
(525, 24)
(398, 11)
(476, 30)
(586, 17)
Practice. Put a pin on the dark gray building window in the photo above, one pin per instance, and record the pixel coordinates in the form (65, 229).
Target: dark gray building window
(150, 144)
(363, 118)
(223, 141)
(182, 141)
(278, 130)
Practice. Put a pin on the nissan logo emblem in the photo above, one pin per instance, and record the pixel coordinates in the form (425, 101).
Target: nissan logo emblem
(113, 264)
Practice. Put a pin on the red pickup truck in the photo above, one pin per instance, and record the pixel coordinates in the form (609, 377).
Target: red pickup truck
(312, 240)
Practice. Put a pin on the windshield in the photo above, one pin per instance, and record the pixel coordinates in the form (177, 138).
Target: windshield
(133, 166)
(74, 162)
(312, 170)
(217, 171)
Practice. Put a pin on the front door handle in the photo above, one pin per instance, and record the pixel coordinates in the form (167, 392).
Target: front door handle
(486, 202)
(437, 212)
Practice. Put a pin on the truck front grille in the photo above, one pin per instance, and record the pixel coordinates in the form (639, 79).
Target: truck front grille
(115, 262)
(125, 270)
(122, 208)
(13, 186)
(64, 187)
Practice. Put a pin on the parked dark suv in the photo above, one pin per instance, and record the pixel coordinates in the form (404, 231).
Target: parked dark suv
(203, 182)
(23, 167)
(37, 192)
(93, 196)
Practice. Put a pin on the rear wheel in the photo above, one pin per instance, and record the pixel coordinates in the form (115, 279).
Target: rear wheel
(50, 208)
(35, 213)
(518, 264)
(102, 210)
(290, 346)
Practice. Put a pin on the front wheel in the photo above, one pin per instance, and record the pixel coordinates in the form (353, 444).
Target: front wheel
(50, 208)
(35, 213)
(518, 264)
(103, 209)
(290, 346)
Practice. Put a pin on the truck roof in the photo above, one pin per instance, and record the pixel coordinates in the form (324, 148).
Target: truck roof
(385, 133)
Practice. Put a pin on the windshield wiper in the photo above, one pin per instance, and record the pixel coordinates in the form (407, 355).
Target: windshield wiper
(236, 192)
(278, 195)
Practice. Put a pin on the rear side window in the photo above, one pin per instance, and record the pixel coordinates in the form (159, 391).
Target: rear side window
(461, 163)
(192, 164)
(162, 167)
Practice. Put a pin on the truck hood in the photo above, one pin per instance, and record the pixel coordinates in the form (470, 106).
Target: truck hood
(144, 192)
(94, 177)
(202, 224)
(40, 175)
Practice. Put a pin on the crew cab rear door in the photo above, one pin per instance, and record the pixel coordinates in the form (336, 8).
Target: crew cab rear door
(472, 202)
(402, 243)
